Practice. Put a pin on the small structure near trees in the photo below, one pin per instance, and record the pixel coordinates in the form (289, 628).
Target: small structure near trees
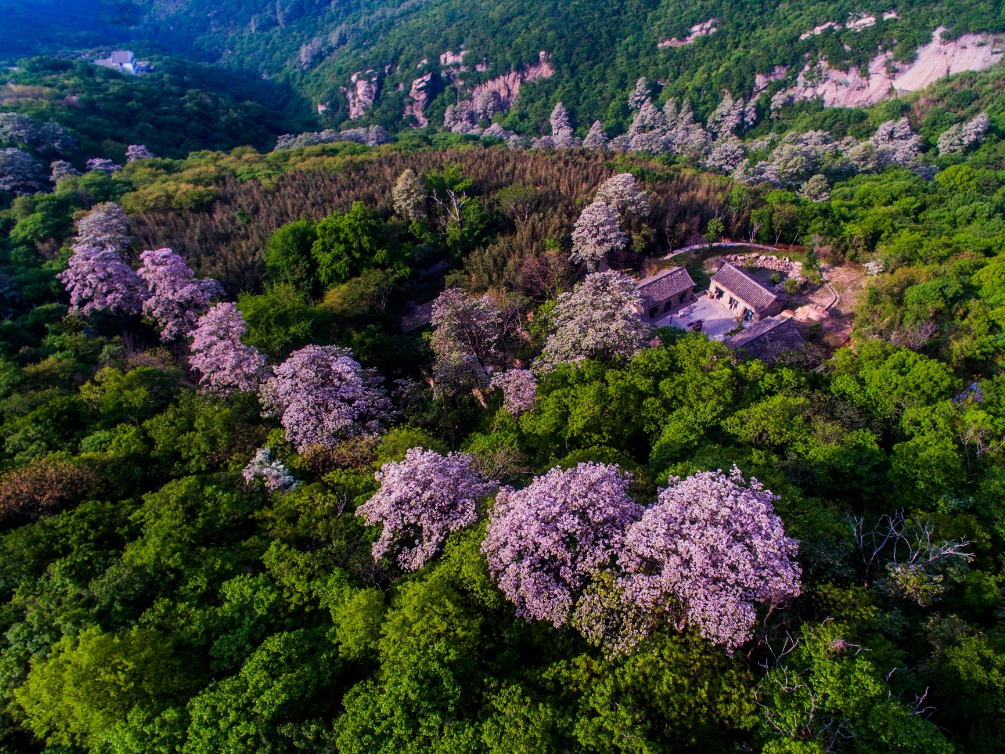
(739, 292)
(665, 292)
(766, 339)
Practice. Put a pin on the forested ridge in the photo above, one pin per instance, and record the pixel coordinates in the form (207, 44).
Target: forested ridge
(361, 440)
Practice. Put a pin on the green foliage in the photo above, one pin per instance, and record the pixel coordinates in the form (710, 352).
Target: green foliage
(89, 683)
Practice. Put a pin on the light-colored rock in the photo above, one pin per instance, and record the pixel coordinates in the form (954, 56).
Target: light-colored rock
(362, 92)
(495, 95)
(886, 78)
(421, 93)
(698, 30)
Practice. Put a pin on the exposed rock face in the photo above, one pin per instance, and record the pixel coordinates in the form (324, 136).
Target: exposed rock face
(495, 95)
(698, 30)
(362, 92)
(886, 78)
(421, 94)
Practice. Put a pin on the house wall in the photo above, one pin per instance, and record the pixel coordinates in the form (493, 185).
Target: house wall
(771, 310)
(670, 306)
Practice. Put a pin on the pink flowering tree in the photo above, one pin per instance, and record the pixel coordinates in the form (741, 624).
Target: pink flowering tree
(98, 280)
(177, 298)
(597, 233)
(466, 339)
(545, 542)
(623, 194)
(708, 550)
(321, 396)
(101, 165)
(106, 226)
(421, 501)
(20, 173)
(519, 388)
(138, 152)
(225, 362)
(598, 320)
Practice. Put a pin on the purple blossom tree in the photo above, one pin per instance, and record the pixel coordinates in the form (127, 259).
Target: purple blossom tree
(596, 138)
(466, 339)
(958, 138)
(623, 194)
(421, 501)
(102, 165)
(225, 362)
(710, 548)
(640, 95)
(61, 169)
(545, 542)
(45, 139)
(104, 227)
(519, 388)
(322, 396)
(20, 173)
(597, 234)
(177, 299)
(598, 320)
(138, 152)
(273, 472)
(97, 279)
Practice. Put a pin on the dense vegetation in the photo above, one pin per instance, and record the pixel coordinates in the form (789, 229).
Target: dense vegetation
(338, 449)
(156, 598)
(178, 108)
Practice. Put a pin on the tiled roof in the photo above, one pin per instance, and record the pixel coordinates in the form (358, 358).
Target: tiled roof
(665, 284)
(743, 286)
(765, 339)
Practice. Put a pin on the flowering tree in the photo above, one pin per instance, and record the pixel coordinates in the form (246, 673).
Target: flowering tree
(421, 501)
(226, 363)
(596, 138)
(138, 152)
(958, 138)
(102, 165)
(598, 320)
(543, 543)
(322, 396)
(409, 196)
(623, 194)
(20, 173)
(97, 279)
(816, 189)
(710, 548)
(104, 227)
(177, 299)
(519, 388)
(561, 131)
(640, 95)
(44, 138)
(466, 338)
(597, 234)
(61, 169)
(273, 473)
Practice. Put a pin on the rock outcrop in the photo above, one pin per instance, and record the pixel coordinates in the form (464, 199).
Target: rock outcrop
(698, 30)
(887, 78)
(495, 95)
(362, 92)
(420, 95)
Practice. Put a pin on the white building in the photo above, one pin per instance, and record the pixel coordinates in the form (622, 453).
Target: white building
(124, 61)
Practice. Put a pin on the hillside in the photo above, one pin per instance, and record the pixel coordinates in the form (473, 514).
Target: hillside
(693, 50)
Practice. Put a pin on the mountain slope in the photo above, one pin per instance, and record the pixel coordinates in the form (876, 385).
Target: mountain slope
(597, 49)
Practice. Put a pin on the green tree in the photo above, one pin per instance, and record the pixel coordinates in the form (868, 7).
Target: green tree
(89, 683)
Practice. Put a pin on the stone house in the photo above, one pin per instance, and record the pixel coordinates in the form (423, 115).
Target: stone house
(665, 292)
(742, 294)
(766, 339)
